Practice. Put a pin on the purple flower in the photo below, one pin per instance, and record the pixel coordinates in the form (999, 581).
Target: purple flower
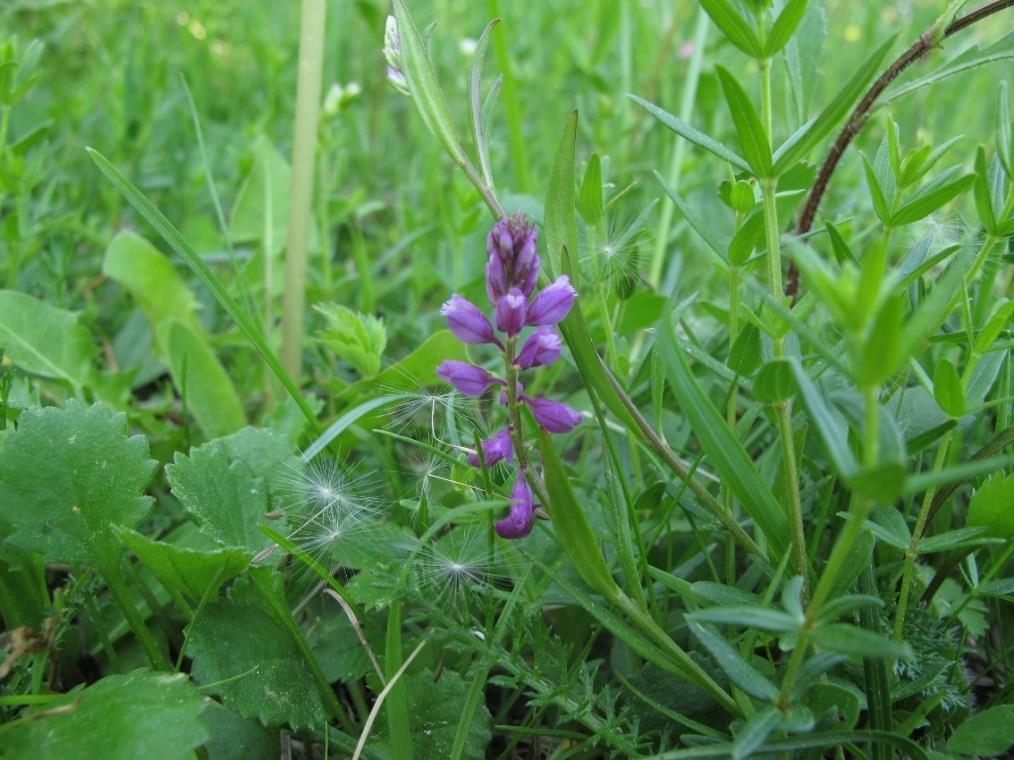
(542, 348)
(519, 522)
(496, 279)
(510, 312)
(552, 415)
(466, 321)
(552, 303)
(496, 449)
(513, 260)
(467, 379)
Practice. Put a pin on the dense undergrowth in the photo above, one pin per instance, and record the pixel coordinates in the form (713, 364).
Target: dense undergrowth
(707, 452)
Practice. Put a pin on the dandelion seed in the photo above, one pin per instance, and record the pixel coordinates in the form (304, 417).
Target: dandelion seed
(458, 561)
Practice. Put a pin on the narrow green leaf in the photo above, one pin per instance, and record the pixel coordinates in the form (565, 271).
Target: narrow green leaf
(740, 672)
(720, 444)
(733, 26)
(753, 139)
(747, 617)
(423, 84)
(858, 642)
(838, 107)
(982, 194)
(831, 427)
(687, 132)
(947, 389)
(784, 27)
(572, 528)
(475, 100)
(877, 194)
(589, 201)
(756, 731)
(560, 221)
(929, 200)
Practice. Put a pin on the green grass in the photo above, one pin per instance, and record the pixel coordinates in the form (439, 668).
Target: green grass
(783, 524)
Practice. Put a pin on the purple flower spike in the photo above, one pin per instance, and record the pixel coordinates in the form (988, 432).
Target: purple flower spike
(519, 522)
(552, 303)
(467, 322)
(511, 246)
(510, 312)
(541, 349)
(466, 378)
(552, 415)
(496, 449)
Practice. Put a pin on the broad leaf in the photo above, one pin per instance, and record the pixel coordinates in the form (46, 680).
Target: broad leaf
(260, 673)
(141, 714)
(988, 733)
(44, 340)
(228, 484)
(67, 476)
(188, 572)
(991, 506)
(435, 705)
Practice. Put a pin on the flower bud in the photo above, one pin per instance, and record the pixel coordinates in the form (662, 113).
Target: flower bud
(552, 303)
(510, 312)
(392, 54)
(519, 522)
(512, 244)
(553, 416)
(496, 279)
(499, 448)
(540, 349)
(466, 321)
(466, 378)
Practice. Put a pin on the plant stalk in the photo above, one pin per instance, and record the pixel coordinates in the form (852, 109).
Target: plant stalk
(304, 149)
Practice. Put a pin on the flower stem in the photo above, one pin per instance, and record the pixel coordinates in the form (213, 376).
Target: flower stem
(514, 415)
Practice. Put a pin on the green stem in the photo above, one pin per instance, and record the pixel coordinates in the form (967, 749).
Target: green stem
(304, 148)
(783, 416)
(772, 238)
(687, 104)
(730, 419)
(764, 64)
(783, 410)
(121, 595)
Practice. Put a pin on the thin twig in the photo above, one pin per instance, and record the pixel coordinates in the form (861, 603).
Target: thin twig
(857, 120)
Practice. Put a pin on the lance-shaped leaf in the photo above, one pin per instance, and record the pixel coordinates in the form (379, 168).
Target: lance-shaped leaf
(695, 136)
(784, 26)
(423, 85)
(753, 139)
(719, 443)
(572, 528)
(791, 152)
(734, 26)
